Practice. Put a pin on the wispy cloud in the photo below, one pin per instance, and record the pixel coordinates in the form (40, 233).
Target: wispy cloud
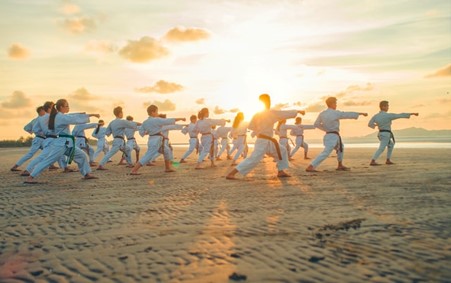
(316, 107)
(79, 24)
(218, 110)
(143, 50)
(357, 103)
(182, 34)
(82, 94)
(443, 72)
(70, 9)
(200, 101)
(280, 106)
(162, 87)
(100, 46)
(17, 100)
(17, 51)
(166, 105)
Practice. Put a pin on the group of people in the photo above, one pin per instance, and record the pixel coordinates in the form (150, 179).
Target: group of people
(58, 144)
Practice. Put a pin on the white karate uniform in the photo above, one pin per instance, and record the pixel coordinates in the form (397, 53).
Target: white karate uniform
(42, 125)
(167, 143)
(153, 126)
(240, 136)
(117, 129)
(222, 133)
(131, 141)
(60, 145)
(262, 124)
(102, 144)
(203, 126)
(193, 139)
(298, 132)
(383, 121)
(36, 143)
(329, 121)
(283, 136)
(81, 141)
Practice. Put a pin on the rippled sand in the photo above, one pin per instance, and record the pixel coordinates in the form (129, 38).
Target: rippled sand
(378, 224)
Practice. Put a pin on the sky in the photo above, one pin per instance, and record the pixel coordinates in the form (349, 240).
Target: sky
(186, 55)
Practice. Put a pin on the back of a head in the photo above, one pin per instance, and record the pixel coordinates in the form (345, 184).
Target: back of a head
(117, 111)
(298, 120)
(383, 103)
(47, 105)
(193, 118)
(129, 118)
(331, 101)
(152, 109)
(39, 109)
(266, 99)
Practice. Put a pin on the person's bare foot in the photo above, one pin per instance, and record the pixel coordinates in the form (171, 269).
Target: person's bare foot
(30, 180)
(25, 173)
(290, 159)
(53, 167)
(90, 177)
(307, 158)
(283, 174)
(229, 157)
(374, 163)
(183, 161)
(134, 173)
(343, 168)
(169, 170)
(388, 162)
(218, 159)
(15, 168)
(101, 168)
(69, 170)
(310, 168)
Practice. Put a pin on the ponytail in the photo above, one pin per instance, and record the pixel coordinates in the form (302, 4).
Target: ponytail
(97, 129)
(52, 118)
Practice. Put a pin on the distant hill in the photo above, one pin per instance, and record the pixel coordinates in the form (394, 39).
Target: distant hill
(409, 135)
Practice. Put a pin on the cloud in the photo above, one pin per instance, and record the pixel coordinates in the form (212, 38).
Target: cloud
(161, 87)
(234, 110)
(354, 88)
(100, 46)
(280, 106)
(70, 9)
(443, 72)
(316, 107)
(186, 34)
(298, 103)
(166, 105)
(17, 100)
(143, 50)
(200, 101)
(218, 110)
(445, 100)
(357, 103)
(17, 51)
(79, 25)
(82, 94)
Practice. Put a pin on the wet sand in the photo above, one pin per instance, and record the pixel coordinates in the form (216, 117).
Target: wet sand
(377, 224)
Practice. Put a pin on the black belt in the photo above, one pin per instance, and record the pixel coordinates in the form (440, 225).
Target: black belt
(274, 141)
(206, 134)
(300, 135)
(340, 148)
(391, 134)
(119, 137)
(51, 136)
(130, 139)
(41, 137)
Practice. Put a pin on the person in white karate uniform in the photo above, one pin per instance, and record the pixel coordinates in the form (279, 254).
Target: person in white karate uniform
(42, 125)
(82, 142)
(282, 131)
(383, 121)
(152, 127)
(36, 143)
(203, 126)
(262, 125)
(193, 133)
(117, 129)
(329, 122)
(239, 134)
(223, 133)
(298, 132)
(131, 141)
(102, 143)
(63, 144)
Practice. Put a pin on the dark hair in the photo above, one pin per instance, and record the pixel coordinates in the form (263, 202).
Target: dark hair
(266, 99)
(39, 109)
(193, 117)
(47, 105)
(298, 120)
(330, 101)
(98, 127)
(238, 118)
(383, 103)
(202, 113)
(129, 118)
(55, 109)
(117, 110)
(151, 109)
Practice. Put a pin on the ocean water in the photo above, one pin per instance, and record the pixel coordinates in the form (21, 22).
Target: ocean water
(359, 145)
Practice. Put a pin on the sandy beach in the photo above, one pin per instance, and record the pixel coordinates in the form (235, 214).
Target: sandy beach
(372, 224)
